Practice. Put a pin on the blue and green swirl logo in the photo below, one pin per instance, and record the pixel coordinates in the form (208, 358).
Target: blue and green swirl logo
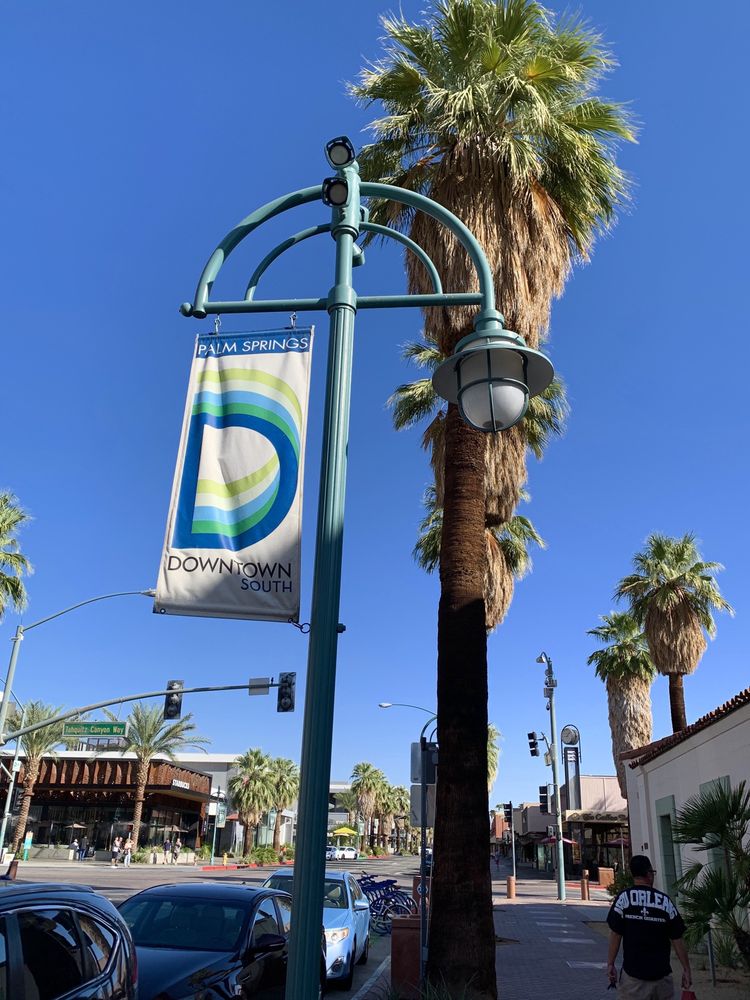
(213, 513)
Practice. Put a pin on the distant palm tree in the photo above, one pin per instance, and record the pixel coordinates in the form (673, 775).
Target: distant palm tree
(34, 747)
(348, 801)
(284, 778)
(367, 781)
(151, 737)
(402, 807)
(672, 595)
(251, 790)
(386, 808)
(507, 554)
(493, 754)
(626, 667)
(13, 564)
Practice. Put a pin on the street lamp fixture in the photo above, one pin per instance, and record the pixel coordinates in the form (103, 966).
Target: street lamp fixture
(340, 152)
(335, 192)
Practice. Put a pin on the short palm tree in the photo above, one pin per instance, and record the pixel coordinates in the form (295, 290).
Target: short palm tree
(251, 790)
(284, 791)
(34, 747)
(507, 554)
(13, 564)
(672, 595)
(625, 665)
(717, 891)
(489, 108)
(367, 781)
(151, 737)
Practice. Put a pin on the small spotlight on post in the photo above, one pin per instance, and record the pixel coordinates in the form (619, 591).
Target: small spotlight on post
(340, 152)
(335, 192)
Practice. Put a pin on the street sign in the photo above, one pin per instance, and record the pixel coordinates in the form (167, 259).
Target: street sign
(95, 729)
(221, 815)
(259, 685)
(415, 805)
(416, 762)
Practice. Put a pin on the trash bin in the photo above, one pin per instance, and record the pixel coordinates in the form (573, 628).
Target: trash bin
(405, 944)
(510, 886)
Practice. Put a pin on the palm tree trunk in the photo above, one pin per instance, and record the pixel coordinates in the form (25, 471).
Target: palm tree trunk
(23, 816)
(461, 888)
(677, 703)
(140, 797)
(277, 831)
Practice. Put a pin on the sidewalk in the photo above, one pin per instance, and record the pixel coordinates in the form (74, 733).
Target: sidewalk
(546, 948)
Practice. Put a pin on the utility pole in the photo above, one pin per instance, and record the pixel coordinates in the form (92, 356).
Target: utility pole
(549, 692)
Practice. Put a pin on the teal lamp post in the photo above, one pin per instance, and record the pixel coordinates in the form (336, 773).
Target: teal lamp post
(491, 377)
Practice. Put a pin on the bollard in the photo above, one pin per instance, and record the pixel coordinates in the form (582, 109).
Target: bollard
(225, 859)
(585, 884)
(510, 887)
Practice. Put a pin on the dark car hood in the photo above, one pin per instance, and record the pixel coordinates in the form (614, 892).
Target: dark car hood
(180, 973)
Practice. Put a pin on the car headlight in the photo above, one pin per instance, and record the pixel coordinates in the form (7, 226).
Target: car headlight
(339, 934)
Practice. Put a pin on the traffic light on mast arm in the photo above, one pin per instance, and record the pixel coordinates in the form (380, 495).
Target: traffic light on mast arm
(543, 800)
(285, 696)
(173, 701)
(533, 744)
(508, 810)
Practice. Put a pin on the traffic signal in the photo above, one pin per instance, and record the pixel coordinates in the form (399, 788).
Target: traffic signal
(285, 696)
(508, 810)
(173, 701)
(533, 745)
(543, 800)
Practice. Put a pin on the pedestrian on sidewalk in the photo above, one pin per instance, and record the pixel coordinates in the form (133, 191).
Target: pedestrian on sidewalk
(83, 847)
(167, 848)
(648, 923)
(116, 850)
(127, 851)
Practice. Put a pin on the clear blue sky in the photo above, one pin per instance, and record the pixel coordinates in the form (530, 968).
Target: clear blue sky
(135, 136)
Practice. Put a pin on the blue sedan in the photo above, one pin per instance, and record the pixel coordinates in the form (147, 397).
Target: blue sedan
(346, 920)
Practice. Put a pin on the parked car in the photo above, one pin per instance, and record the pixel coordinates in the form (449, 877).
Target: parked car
(346, 922)
(347, 853)
(63, 940)
(331, 850)
(210, 939)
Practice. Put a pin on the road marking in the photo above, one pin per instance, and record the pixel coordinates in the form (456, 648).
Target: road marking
(587, 965)
(363, 991)
(556, 940)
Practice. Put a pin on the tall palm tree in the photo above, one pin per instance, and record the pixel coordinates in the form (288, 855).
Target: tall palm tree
(348, 801)
(386, 808)
(402, 812)
(151, 737)
(490, 109)
(284, 778)
(251, 790)
(507, 554)
(13, 564)
(625, 665)
(493, 754)
(366, 783)
(34, 747)
(672, 595)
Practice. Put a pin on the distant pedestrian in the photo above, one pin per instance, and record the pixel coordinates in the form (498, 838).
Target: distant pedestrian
(83, 847)
(647, 922)
(167, 848)
(116, 851)
(74, 848)
(176, 848)
(127, 851)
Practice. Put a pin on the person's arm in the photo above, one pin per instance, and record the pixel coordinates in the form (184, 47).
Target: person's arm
(679, 947)
(614, 947)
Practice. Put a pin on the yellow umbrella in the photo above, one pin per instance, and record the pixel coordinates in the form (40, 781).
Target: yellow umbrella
(344, 831)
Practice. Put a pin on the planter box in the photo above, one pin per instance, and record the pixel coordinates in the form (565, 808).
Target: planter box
(405, 957)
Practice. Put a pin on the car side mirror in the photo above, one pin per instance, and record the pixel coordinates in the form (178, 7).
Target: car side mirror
(267, 942)
(361, 904)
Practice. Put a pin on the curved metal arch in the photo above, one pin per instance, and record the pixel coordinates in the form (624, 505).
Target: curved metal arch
(368, 188)
(368, 227)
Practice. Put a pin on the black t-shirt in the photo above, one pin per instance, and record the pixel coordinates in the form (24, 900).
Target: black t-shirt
(648, 922)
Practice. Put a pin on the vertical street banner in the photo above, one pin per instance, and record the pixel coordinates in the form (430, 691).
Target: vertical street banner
(232, 546)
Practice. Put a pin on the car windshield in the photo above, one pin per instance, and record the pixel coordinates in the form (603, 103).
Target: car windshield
(334, 893)
(190, 924)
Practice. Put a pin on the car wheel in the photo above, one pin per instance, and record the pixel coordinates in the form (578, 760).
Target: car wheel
(362, 960)
(348, 980)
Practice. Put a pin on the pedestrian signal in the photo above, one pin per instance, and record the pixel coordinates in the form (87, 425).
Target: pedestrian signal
(173, 701)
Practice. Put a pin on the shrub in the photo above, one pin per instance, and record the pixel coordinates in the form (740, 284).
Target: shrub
(142, 856)
(264, 856)
(287, 852)
(204, 852)
(623, 880)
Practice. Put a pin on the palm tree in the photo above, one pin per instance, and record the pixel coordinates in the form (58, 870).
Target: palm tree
(626, 667)
(251, 790)
(34, 747)
(366, 783)
(402, 812)
(386, 807)
(13, 564)
(284, 790)
(717, 891)
(348, 801)
(489, 109)
(507, 554)
(151, 737)
(493, 754)
(672, 595)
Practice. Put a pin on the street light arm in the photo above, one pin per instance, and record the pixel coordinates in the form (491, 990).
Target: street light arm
(405, 704)
(91, 600)
(425, 726)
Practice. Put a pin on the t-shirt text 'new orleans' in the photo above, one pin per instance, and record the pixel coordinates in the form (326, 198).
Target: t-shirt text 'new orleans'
(648, 922)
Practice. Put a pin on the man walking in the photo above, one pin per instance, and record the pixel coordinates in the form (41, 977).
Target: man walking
(648, 923)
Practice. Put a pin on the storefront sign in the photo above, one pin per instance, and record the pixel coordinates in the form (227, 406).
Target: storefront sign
(232, 547)
(95, 729)
(180, 784)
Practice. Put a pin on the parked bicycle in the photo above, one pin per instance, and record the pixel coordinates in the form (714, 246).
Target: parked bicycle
(387, 901)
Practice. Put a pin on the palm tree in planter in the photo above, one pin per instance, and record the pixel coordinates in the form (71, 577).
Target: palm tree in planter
(13, 564)
(366, 783)
(489, 108)
(672, 595)
(151, 737)
(625, 665)
(34, 747)
(251, 790)
(284, 776)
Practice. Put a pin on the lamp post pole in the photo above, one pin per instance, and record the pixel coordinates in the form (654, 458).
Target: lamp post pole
(549, 691)
(21, 631)
(512, 374)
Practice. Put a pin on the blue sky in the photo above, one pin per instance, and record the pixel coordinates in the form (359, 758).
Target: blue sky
(135, 136)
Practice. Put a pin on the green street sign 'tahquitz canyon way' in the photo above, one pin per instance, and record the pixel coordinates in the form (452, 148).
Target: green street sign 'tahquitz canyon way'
(95, 729)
